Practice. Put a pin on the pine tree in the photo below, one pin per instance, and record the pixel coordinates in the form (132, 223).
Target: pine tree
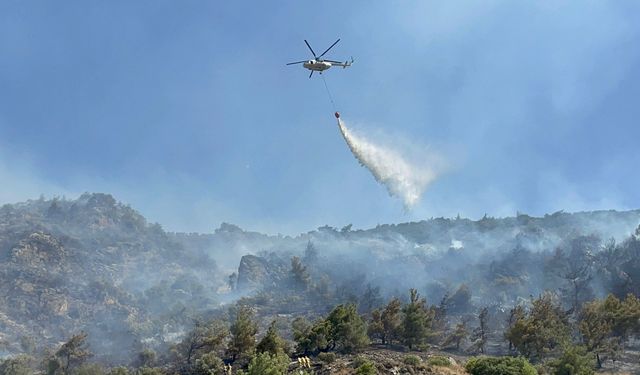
(542, 330)
(391, 321)
(348, 331)
(375, 329)
(243, 333)
(204, 337)
(271, 342)
(416, 320)
(515, 314)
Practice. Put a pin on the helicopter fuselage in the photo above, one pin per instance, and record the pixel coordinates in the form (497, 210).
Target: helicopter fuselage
(316, 65)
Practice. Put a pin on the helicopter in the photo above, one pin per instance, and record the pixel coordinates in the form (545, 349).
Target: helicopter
(318, 64)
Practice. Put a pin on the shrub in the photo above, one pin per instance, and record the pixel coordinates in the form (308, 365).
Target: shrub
(438, 360)
(208, 364)
(575, 360)
(359, 360)
(268, 364)
(500, 366)
(327, 357)
(119, 371)
(367, 368)
(412, 360)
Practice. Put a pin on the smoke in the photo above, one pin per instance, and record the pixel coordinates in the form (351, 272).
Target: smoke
(402, 177)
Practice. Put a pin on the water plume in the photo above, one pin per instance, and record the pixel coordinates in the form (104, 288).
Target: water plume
(402, 177)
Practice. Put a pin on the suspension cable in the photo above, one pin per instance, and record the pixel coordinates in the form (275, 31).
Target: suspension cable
(329, 93)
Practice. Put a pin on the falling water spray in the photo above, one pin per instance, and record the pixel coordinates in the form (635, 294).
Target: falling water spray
(403, 178)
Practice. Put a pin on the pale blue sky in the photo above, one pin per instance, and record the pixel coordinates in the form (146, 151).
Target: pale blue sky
(185, 109)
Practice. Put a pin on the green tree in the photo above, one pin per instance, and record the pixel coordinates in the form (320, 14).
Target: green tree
(391, 321)
(268, 364)
(515, 314)
(596, 330)
(499, 366)
(385, 324)
(243, 333)
(347, 330)
(271, 342)
(626, 315)
(311, 338)
(575, 360)
(375, 329)
(203, 338)
(208, 364)
(542, 330)
(416, 320)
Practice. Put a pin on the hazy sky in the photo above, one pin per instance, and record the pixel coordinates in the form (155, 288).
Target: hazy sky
(186, 111)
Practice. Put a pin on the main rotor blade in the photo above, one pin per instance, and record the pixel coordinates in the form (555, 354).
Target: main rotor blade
(311, 49)
(297, 62)
(329, 48)
(311, 74)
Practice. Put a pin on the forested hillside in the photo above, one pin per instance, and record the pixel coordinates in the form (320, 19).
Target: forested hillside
(93, 273)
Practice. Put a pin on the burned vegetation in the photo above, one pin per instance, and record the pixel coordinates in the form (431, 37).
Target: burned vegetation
(88, 286)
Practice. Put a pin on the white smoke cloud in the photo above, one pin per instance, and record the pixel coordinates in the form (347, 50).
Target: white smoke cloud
(403, 177)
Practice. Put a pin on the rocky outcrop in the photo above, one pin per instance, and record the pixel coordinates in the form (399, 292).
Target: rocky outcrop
(92, 264)
(252, 273)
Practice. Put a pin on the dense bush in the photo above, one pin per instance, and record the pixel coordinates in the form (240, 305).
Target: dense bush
(208, 364)
(412, 360)
(327, 357)
(575, 360)
(268, 364)
(500, 366)
(366, 368)
(438, 360)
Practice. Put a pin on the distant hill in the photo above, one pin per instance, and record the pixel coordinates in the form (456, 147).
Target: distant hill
(92, 264)
(97, 265)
